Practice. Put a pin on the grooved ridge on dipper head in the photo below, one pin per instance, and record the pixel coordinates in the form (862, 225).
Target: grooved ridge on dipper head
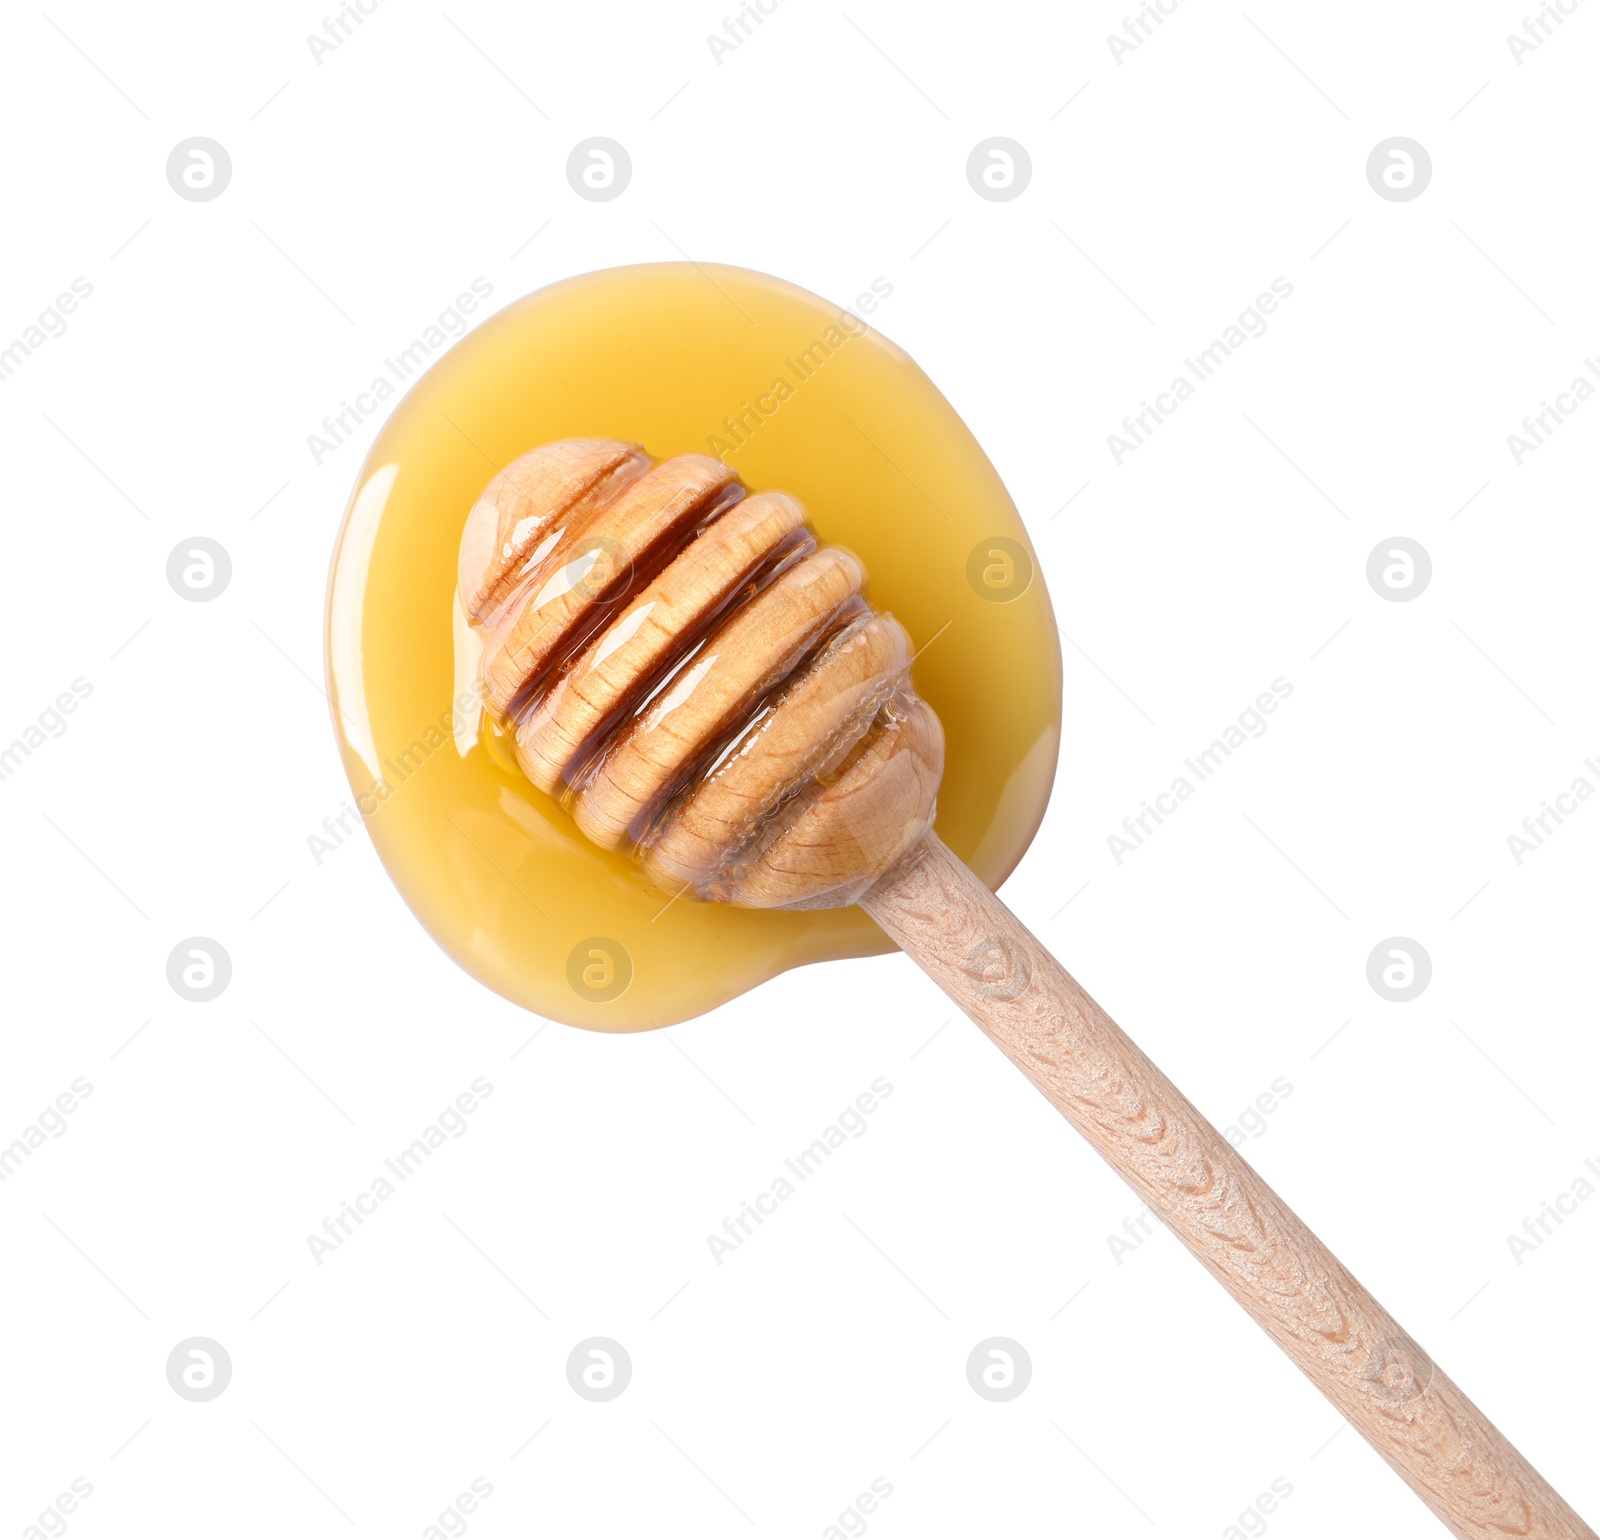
(696, 678)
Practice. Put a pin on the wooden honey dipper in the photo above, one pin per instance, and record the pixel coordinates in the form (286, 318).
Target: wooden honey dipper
(705, 685)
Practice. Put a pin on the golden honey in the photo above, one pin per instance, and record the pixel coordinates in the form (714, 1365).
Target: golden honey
(793, 395)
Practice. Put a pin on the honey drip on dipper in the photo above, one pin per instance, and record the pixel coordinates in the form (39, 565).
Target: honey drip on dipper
(699, 680)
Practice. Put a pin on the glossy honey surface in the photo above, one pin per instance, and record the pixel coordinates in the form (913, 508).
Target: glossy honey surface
(794, 396)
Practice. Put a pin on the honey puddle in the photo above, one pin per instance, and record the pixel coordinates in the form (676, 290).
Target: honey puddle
(682, 358)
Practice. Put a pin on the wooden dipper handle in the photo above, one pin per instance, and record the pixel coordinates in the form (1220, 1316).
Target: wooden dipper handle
(1250, 1241)
(704, 685)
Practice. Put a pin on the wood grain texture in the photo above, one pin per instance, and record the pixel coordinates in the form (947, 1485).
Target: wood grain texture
(598, 550)
(836, 835)
(798, 740)
(700, 682)
(1350, 1348)
(609, 680)
(758, 646)
(537, 497)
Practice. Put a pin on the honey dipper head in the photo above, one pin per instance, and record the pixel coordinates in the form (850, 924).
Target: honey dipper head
(698, 680)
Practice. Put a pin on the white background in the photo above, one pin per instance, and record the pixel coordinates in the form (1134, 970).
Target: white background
(1167, 191)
